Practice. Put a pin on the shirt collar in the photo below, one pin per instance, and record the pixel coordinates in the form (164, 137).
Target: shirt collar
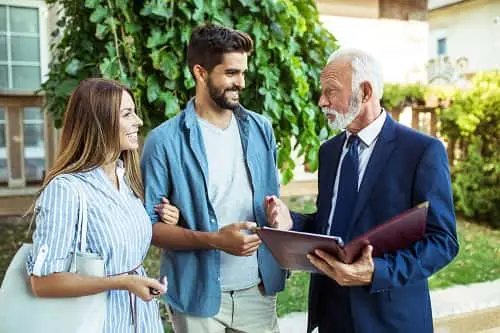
(368, 134)
(99, 171)
(120, 169)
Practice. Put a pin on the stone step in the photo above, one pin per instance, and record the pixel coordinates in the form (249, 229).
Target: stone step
(482, 321)
(473, 308)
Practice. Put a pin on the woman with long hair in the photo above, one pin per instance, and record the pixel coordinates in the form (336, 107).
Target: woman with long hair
(99, 150)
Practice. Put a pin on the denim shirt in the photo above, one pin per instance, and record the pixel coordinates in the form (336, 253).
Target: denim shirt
(174, 165)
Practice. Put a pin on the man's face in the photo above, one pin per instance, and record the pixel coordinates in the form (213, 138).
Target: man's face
(340, 103)
(226, 80)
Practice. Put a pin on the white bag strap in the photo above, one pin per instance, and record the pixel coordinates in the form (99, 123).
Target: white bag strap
(81, 231)
(82, 217)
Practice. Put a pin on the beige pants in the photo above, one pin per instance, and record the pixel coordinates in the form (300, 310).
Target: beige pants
(242, 311)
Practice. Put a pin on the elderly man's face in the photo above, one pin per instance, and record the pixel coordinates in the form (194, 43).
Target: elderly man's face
(339, 102)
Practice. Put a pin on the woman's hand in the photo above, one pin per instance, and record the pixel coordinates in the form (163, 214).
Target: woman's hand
(168, 214)
(145, 288)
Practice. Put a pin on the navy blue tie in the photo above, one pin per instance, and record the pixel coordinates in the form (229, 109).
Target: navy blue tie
(347, 192)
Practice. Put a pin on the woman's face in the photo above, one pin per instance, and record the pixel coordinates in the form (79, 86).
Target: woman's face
(129, 124)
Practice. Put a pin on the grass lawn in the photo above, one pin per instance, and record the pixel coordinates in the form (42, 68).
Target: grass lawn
(477, 261)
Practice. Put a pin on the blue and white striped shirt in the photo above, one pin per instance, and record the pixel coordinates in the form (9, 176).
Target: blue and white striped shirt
(119, 230)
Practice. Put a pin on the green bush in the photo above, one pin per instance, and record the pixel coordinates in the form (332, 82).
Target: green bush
(473, 120)
(142, 43)
(397, 96)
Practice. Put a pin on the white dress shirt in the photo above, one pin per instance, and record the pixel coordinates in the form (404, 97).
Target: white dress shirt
(368, 138)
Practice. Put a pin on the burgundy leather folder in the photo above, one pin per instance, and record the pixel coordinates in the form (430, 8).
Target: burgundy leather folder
(291, 247)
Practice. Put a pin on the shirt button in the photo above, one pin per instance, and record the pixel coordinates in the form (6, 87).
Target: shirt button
(212, 220)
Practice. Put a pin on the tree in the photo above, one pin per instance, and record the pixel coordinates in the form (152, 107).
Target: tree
(143, 44)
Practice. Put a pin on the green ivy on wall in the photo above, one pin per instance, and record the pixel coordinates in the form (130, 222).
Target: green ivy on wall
(143, 45)
(397, 96)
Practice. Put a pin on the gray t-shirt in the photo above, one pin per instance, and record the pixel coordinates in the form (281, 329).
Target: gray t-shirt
(231, 196)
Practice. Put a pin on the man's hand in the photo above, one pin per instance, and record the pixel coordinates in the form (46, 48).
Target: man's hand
(230, 239)
(359, 273)
(278, 215)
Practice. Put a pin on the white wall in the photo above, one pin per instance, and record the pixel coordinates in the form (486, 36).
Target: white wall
(401, 46)
(470, 31)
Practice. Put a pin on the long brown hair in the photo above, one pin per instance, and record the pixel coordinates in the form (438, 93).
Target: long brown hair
(90, 136)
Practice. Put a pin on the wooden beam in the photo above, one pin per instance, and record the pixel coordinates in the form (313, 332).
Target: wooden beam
(15, 146)
(51, 140)
(403, 9)
(434, 121)
(414, 118)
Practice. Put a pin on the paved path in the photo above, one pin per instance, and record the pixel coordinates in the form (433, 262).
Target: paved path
(459, 309)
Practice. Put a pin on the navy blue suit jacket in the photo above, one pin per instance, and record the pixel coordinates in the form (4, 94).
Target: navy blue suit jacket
(405, 169)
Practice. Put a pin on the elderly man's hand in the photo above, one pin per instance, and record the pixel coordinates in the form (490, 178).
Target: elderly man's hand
(278, 215)
(359, 273)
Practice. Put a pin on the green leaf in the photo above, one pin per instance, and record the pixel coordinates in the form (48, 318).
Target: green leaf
(250, 4)
(153, 89)
(161, 9)
(188, 78)
(92, 3)
(169, 66)
(66, 87)
(101, 31)
(122, 4)
(99, 14)
(185, 34)
(110, 48)
(186, 11)
(198, 4)
(73, 67)
(170, 84)
(171, 104)
(132, 28)
(158, 38)
(323, 134)
(109, 69)
(286, 176)
(155, 57)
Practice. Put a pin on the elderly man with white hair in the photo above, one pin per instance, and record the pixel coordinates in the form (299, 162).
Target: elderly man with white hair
(369, 173)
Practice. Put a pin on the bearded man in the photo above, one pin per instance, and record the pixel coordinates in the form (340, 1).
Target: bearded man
(216, 162)
(369, 173)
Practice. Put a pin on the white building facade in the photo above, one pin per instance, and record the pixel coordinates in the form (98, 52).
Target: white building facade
(467, 30)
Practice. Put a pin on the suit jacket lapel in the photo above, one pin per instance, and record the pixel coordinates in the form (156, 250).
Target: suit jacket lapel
(383, 149)
(330, 162)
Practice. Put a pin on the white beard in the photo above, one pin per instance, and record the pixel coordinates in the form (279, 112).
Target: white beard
(342, 120)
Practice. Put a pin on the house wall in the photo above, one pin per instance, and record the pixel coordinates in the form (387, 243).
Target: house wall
(471, 29)
(400, 46)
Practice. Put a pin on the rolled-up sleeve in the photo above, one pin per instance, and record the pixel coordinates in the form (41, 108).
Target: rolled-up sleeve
(154, 171)
(55, 232)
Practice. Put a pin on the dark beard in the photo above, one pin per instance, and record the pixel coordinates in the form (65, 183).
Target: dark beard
(219, 97)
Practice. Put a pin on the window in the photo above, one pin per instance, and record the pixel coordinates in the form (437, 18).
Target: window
(34, 144)
(441, 46)
(20, 63)
(3, 148)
